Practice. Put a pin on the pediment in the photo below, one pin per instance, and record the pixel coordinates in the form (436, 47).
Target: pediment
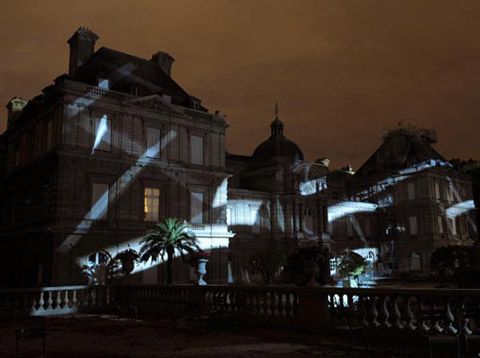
(154, 102)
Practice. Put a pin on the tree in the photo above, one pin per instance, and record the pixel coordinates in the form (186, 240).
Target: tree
(167, 237)
(268, 264)
(351, 264)
(458, 263)
(298, 269)
(127, 259)
(101, 273)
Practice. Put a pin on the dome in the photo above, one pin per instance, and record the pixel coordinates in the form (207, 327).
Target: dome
(277, 147)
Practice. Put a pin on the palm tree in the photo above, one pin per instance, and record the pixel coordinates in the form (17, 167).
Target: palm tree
(167, 237)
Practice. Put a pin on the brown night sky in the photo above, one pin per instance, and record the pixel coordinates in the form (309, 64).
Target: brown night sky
(342, 71)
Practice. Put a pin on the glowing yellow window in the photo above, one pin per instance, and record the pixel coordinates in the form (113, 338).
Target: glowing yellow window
(151, 204)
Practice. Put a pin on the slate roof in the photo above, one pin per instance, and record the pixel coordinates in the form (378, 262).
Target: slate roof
(400, 151)
(125, 71)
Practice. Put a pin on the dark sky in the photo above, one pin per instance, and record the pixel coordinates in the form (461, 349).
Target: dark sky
(342, 71)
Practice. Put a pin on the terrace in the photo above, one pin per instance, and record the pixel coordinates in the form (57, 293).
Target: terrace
(328, 318)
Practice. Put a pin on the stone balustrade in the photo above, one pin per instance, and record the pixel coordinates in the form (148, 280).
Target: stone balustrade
(426, 310)
(430, 311)
(51, 301)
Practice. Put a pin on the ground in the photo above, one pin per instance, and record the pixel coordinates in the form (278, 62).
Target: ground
(111, 336)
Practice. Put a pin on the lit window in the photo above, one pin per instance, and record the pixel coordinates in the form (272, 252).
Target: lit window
(103, 134)
(99, 203)
(103, 83)
(196, 150)
(151, 204)
(153, 142)
(412, 220)
(196, 207)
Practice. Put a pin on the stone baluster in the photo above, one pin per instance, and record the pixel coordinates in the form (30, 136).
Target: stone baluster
(363, 313)
(386, 312)
(49, 300)
(410, 315)
(66, 301)
(375, 322)
(57, 302)
(74, 298)
(398, 314)
(466, 321)
(450, 318)
(436, 324)
(41, 301)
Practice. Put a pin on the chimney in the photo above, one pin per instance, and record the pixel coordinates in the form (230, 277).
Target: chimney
(164, 61)
(82, 47)
(15, 107)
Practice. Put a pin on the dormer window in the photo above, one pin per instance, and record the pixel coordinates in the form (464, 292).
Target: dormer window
(103, 83)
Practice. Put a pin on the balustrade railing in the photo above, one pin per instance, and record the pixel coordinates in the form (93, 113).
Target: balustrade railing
(429, 311)
(50, 301)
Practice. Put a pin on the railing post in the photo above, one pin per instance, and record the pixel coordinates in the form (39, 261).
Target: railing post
(313, 314)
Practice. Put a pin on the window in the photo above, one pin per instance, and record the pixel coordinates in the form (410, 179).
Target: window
(415, 262)
(196, 207)
(153, 142)
(151, 204)
(103, 133)
(99, 203)
(453, 226)
(103, 83)
(412, 220)
(411, 191)
(450, 193)
(440, 224)
(437, 191)
(196, 150)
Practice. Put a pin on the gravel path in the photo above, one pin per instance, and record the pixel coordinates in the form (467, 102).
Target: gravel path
(109, 336)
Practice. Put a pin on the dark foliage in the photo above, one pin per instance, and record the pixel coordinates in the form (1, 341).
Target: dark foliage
(268, 264)
(297, 267)
(460, 264)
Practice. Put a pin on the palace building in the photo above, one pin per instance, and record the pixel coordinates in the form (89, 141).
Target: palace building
(116, 145)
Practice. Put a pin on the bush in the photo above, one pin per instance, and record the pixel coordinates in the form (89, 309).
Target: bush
(297, 270)
(351, 264)
(458, 263)
(268, 264)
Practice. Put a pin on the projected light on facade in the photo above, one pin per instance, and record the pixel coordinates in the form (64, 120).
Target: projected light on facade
(345, 208)
(460, 208)
(100, 207)
(102, 131)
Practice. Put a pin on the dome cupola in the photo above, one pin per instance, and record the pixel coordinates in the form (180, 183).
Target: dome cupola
(277, 148)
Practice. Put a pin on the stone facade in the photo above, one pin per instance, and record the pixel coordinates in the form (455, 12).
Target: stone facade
(116, 145)
(82, 157)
